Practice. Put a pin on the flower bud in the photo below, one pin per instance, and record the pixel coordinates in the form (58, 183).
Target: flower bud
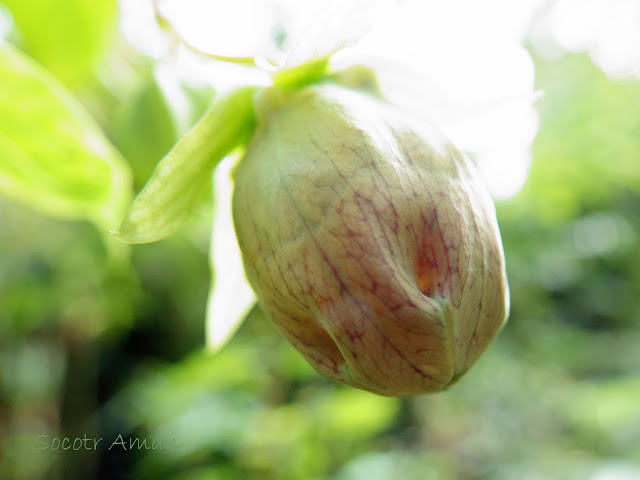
(369, 240)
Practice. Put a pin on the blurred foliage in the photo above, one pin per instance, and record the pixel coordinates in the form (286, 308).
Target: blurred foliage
(144, 115)
(50, 32)
(89, 347)
(54, 156)
(591, 136)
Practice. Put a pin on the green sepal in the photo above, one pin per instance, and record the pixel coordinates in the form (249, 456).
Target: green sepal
(175, 188)
(302, 75)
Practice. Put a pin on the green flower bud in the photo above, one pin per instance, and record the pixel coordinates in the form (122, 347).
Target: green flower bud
(370, 241)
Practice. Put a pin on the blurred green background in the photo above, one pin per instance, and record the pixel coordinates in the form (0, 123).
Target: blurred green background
(92, 347)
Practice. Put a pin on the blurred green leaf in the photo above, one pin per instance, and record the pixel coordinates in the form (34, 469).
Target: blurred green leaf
(145, 129)
(356, 414)
(608, 406)
(174, 189)
(587, 148)
(53, 156)
(66, 37)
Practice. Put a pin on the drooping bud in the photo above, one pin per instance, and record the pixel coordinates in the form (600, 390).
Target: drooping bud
(369, 240)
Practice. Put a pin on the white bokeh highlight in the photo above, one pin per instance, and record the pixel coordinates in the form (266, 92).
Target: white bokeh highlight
(608, 29)
(230, 296)
(474, 79)
(460, 63)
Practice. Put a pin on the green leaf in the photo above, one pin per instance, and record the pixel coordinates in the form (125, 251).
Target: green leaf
(66, 37)
(144, 130)
(176, 186)
(53, 155)
(231, 300)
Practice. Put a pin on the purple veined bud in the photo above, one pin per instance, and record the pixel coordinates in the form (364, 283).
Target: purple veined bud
(369, 239)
